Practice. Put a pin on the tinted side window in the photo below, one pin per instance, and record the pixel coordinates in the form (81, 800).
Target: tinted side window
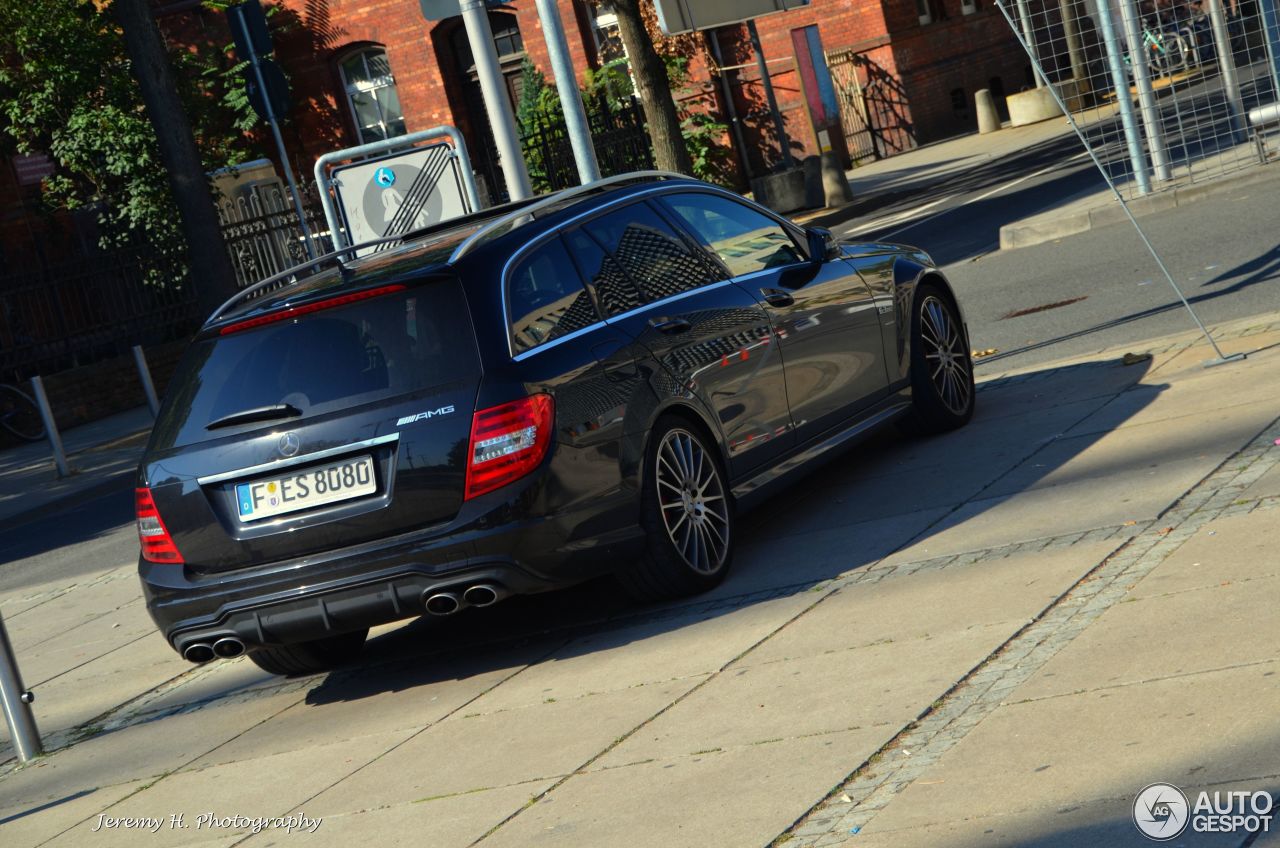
(613, 288)
(744, 239)
(545, 298)
(651, 253)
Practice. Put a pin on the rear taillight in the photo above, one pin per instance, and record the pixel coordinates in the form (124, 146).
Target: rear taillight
(157, 544)
(507, 442)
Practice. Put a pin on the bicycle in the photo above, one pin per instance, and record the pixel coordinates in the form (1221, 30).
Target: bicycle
(19, 414)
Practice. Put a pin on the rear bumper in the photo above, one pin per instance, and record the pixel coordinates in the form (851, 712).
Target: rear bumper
(385, 581)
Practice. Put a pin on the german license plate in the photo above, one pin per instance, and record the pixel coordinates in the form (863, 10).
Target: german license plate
(338, 481)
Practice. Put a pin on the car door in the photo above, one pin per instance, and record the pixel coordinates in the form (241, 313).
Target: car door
(711, 338)
(822, 311)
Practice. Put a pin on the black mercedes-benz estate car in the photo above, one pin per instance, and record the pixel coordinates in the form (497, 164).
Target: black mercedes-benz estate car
(595, 381)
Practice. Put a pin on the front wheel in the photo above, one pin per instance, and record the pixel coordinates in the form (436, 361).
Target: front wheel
(687, 516)
(310, 657)
(942, 390)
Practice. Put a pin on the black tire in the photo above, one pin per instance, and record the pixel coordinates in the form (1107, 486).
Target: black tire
(19, 415)
(310, 657)
(689, 527)
(942, 390)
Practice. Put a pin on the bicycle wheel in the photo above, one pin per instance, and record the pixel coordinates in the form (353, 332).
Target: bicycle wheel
(19, 415)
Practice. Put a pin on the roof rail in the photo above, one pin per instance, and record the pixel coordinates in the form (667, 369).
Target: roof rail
(552, 199)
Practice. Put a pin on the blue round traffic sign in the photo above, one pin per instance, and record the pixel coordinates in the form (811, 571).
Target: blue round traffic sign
(385, 177)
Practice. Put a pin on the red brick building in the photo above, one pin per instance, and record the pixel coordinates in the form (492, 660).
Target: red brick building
(361, 68)
(904, 72)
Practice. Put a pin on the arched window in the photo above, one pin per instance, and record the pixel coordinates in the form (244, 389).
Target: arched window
(371, 95)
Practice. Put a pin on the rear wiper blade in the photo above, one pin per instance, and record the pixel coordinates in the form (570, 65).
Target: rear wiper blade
(261, 413)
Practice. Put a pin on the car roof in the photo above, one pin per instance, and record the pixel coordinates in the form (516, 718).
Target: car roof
(429, 251)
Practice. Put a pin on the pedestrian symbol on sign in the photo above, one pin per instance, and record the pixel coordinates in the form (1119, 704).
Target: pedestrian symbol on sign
(385, 177)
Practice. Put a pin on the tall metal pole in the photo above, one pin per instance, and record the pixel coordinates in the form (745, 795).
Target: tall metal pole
(1075, 50)
(730, 110)
(1271, 33)
(1227, 66)
(275, 132)
(16, 703)
(1152, 122)
(575, 117)
(1120, 83)
(1029, 38)
(769, 96)
(475, 15)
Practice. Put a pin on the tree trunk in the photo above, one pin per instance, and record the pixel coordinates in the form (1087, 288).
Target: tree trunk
(669, 151)
(211, 270)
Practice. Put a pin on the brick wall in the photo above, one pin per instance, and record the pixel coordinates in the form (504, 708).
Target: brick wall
(81, 395)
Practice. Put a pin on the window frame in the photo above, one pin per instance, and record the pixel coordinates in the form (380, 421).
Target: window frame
(363, 52)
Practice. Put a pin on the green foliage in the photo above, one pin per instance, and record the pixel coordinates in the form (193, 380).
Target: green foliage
(537, 117)
(703, 134)
(66, 91)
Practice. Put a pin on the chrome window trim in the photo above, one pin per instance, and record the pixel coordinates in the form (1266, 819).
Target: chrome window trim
(525, 354)
(296, 460)
(670, 299)
(665, 188)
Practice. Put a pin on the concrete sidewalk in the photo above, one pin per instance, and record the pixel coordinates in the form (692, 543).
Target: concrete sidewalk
(1042, 612)
(102, 457)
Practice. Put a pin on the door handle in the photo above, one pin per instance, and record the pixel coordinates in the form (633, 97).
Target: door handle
(670, 326)
(777, 297)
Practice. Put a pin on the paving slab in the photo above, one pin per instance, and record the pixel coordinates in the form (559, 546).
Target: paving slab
(1226, 550)
(740, 797)
(30, 824)
(483, 750)
(1212, 727)
(261, 787)
(454, 821)
(858, 688)
(669, 649)
(915, 606)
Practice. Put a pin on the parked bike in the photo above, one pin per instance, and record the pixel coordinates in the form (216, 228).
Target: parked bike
(19, 414)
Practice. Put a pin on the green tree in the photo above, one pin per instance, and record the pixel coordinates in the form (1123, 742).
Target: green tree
(68, 89)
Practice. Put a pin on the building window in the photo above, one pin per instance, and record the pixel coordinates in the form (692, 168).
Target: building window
(968, 7)
(371, 95)
(924, 11)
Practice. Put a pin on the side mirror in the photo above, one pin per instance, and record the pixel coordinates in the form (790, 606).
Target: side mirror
(822, 245)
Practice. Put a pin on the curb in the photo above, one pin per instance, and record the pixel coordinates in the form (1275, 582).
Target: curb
(1049, 227)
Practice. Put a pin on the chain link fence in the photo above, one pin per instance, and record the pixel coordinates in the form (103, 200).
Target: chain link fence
(1164, 92)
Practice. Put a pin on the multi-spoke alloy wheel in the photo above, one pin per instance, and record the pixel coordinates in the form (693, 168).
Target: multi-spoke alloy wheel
(941, 368)
(944, 350)
(686, 512)
(692, 501)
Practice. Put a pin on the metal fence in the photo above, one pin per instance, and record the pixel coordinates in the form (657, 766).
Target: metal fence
(87, 309)
(260, 227)
(1165, 93)
(618, 130)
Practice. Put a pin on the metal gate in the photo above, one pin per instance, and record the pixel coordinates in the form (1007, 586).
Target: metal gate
(873, 106)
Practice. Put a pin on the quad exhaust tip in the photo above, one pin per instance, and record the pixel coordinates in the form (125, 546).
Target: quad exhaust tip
(197, 652)
(443, 603)
(228, 647)
(483, 595)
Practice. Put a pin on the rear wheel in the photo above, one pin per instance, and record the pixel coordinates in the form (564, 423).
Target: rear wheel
(687, 517)
(310, 657)
(941, 368)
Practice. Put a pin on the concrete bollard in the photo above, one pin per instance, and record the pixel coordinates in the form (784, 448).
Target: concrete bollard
(988, 115)
(835, 184)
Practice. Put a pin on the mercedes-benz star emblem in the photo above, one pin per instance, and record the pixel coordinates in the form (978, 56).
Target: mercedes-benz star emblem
(289, 444)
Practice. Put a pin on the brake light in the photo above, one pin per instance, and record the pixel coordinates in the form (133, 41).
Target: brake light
(153, 536)
(507, 442)
(308, 308)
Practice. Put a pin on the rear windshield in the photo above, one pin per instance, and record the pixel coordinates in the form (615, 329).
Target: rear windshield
(329, 360)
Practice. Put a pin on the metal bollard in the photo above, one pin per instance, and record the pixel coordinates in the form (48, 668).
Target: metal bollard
(16, 702)
(144, 374)
(50, 427)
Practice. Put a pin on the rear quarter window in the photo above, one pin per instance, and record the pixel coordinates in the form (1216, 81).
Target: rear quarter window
(319, 363)
(546, 299)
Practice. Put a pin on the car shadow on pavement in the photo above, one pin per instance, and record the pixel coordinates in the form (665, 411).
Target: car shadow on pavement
(890, 492)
